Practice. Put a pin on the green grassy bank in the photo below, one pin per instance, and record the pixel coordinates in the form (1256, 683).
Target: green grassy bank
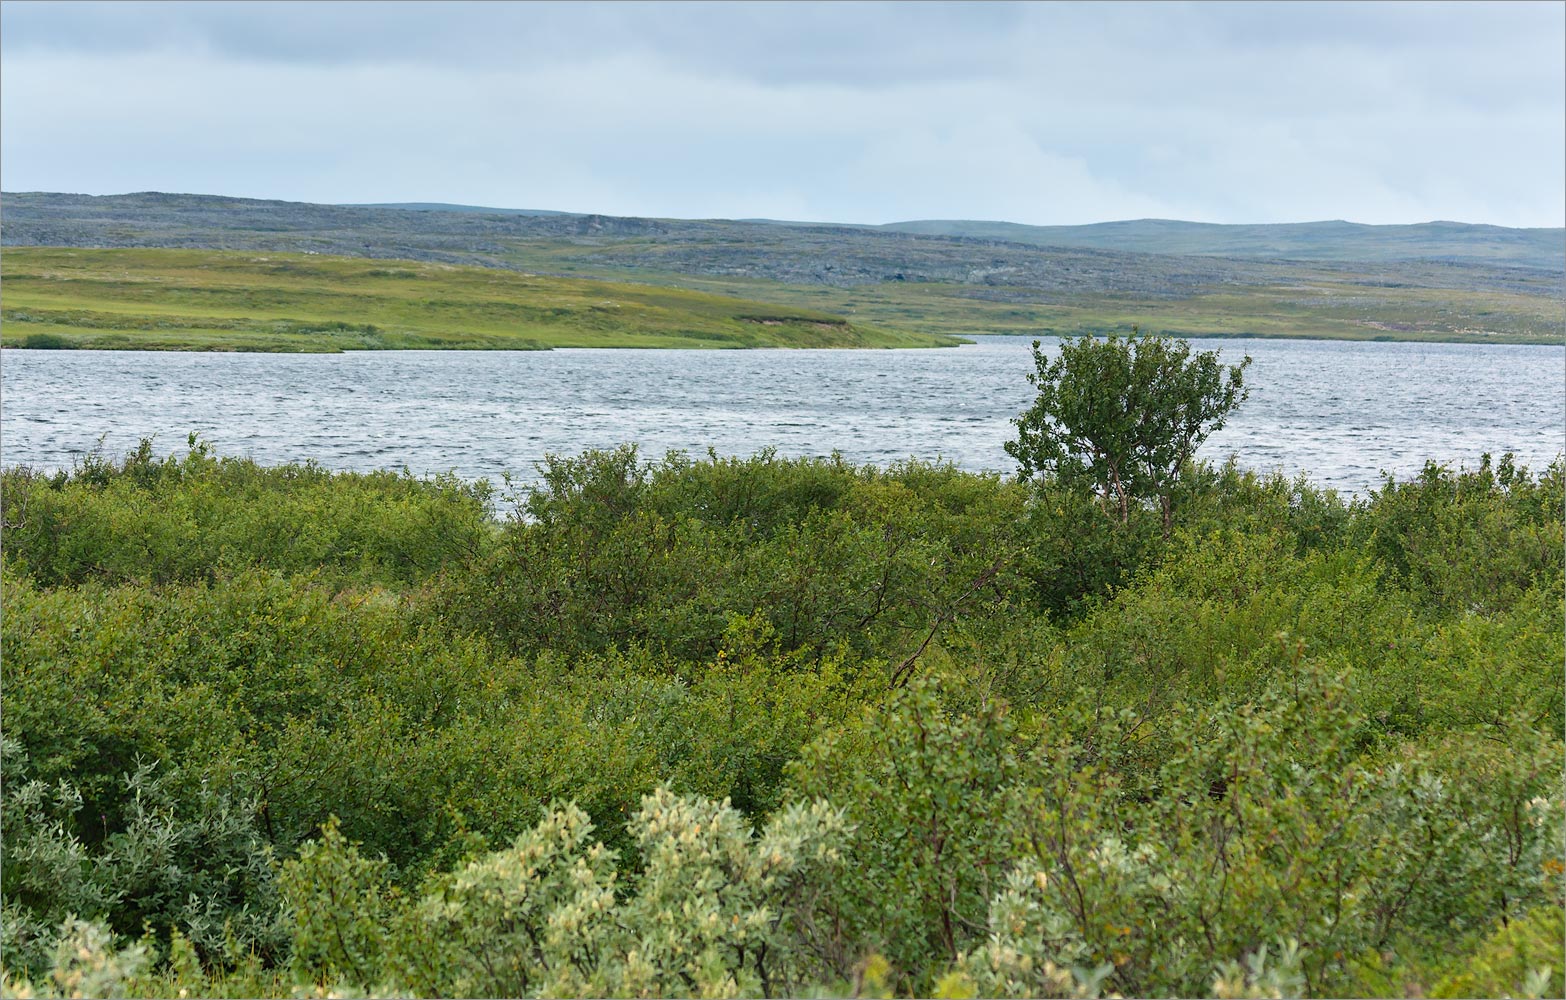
(211, 300)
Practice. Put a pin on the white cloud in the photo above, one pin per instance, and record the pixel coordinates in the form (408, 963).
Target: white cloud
(1043, 114)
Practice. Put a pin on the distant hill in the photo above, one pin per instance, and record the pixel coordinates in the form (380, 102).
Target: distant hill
(441, 206)
(1455, 242)
(471, 233)
(1439, 281)
(1452, 242)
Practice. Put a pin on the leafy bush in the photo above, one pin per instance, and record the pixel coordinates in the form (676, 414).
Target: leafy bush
(349, 705)
(1525, 957)
(84, 963)
(1211, 616)
(45, 342)
(1249, 827)
(710, 913)
(931, 795)
(1077, 554)
(608, 552)
(1123, 417)
(1470, 542)
(1253, 824)
(144, 520)
(995, 741)
(196, 864)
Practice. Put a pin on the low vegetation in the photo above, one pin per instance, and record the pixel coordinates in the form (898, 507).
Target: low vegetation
(237, 301)
(1308, 304)
(1434, 282)
(765, 726)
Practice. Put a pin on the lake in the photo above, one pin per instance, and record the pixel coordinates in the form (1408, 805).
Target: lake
(1339, 411)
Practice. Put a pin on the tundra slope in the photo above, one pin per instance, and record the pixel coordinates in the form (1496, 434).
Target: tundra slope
(929, 283)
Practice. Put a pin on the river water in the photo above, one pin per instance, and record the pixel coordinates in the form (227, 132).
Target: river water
(1338, 411)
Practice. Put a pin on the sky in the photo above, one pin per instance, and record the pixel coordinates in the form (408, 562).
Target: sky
(1047, 114)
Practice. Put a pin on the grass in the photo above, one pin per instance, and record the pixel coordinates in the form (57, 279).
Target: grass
(1324, 303)
(159, 299)
(279, 289)
(212, 300)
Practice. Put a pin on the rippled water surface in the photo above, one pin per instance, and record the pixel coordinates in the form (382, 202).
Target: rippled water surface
(1339, 411)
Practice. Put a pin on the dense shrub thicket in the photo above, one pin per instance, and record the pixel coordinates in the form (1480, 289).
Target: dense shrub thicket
(777, 726)
(150, 521)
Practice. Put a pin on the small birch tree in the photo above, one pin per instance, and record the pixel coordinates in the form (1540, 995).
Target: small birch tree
(1124, 415)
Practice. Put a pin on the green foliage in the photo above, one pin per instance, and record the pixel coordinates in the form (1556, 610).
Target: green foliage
(1171, 860)
(45, 342)
(194, 864)
(1021, 955)
(492, 927)
(710, 912)
(931, 796)
(336, 907)
(1124, 416)
(610, 552)
(194, 517)
(1212, 604)
(1261, 975)
(323, 705)
(794, 727)
(1076, 556)
(1470, 542)
(349, 705)
(89, 960)
(1524, 958)
(85, 963)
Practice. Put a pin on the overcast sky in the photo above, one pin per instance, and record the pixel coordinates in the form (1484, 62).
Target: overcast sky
(1038, 113)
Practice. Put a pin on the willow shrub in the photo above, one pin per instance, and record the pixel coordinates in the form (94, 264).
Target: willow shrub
(314, 704)
(1387, 591)
(1266, 824)
(1170, 855)
(192, 517)
(609, 551)
(1079, 552)
(1469, 541)
(318, 704)
(196, 865)
(933, 797)
(711, 911)
(1361, 802)
(1245, 848)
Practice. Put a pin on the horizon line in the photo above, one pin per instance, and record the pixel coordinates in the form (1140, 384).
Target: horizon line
(402, 206)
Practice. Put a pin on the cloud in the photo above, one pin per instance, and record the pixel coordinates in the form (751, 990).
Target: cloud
(776, 42)
(852, 112)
